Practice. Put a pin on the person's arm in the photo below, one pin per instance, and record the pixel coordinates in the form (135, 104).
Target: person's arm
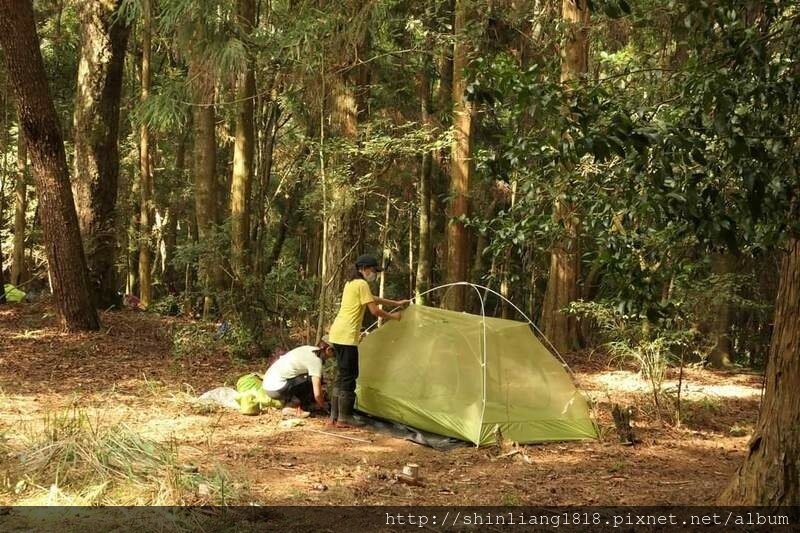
(391, 303)
(380, 313)
(316, 382)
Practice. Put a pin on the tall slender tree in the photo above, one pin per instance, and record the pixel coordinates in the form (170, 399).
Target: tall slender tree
(244, 142)
(424, 259)
(104, 38)
(18, 271)
(562, 283)
(145, 167)
(3, 147)
(458, 241)
(40, 126)
(205, 172)
(348, 107)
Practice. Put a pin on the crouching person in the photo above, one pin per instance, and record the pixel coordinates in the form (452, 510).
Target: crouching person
(296, 377)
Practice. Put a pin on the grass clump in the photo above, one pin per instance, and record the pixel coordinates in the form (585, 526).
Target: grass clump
(69, 460)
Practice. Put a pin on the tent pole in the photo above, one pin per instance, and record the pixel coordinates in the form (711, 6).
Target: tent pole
(517, 309)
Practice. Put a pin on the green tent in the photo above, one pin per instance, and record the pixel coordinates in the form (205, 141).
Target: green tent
(13, 294)
(468, 376)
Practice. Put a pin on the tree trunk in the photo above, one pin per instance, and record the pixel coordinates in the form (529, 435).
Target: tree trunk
(341, 239)
(19, 273)
(721, 356)
(288, 216)
(562, 283)
(175, 209)
(3, 148)
(104, 38)
(424, 259)
(268, 133)
(458, 246)
(340, 205)
(145, 171)
(385, 251)
(40, 126)
(241, 181)
(132, 246)
(770, 474)
(205, 182)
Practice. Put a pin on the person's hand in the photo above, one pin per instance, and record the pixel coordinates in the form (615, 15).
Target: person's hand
(395, 316)
(403, 303)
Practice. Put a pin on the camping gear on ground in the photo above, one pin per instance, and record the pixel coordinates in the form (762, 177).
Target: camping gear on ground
(252, 384)
(249, 398)
(469, 377)
(248, 404)
(224, 396)
(248, 382)
(13, 294)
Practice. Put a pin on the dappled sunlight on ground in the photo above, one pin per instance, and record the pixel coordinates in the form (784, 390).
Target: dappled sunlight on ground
(126, 374)
(628, 381)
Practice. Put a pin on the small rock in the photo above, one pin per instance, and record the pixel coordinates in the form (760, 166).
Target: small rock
(319, 487)
(736, 431)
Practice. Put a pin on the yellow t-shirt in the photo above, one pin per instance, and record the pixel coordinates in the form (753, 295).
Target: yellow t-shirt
(347, 324)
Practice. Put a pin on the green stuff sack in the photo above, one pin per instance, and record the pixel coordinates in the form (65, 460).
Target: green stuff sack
(248, 382)
(13, 294)
(248, 404)
(251, 385)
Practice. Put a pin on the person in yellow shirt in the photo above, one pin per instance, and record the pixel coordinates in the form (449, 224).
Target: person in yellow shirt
(346, 330)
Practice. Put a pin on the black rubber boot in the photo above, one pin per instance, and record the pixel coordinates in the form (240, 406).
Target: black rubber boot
(347, 401)
(334, 406)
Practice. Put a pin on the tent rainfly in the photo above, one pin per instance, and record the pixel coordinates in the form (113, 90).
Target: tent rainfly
(469, 377)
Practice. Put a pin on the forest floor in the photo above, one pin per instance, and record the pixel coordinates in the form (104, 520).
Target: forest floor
(127, 373)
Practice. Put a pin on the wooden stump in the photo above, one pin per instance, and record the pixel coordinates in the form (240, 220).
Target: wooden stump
(622, 421)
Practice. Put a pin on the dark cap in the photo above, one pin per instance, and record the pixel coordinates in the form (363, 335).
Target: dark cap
(367, 260)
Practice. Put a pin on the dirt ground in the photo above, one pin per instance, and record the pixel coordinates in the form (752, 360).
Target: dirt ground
(127, 373)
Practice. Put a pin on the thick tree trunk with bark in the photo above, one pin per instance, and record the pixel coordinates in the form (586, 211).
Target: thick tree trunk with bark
(458, 242)
(40, 126)
(348, 95)
(104, 38)
(19, 273)
(205, 180)
(562, 283)
(241, 182)
(145, 171)
(770, 474)
(339, 238)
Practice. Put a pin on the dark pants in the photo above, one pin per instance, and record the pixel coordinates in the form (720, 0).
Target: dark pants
(347, 367)
(299, 387)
